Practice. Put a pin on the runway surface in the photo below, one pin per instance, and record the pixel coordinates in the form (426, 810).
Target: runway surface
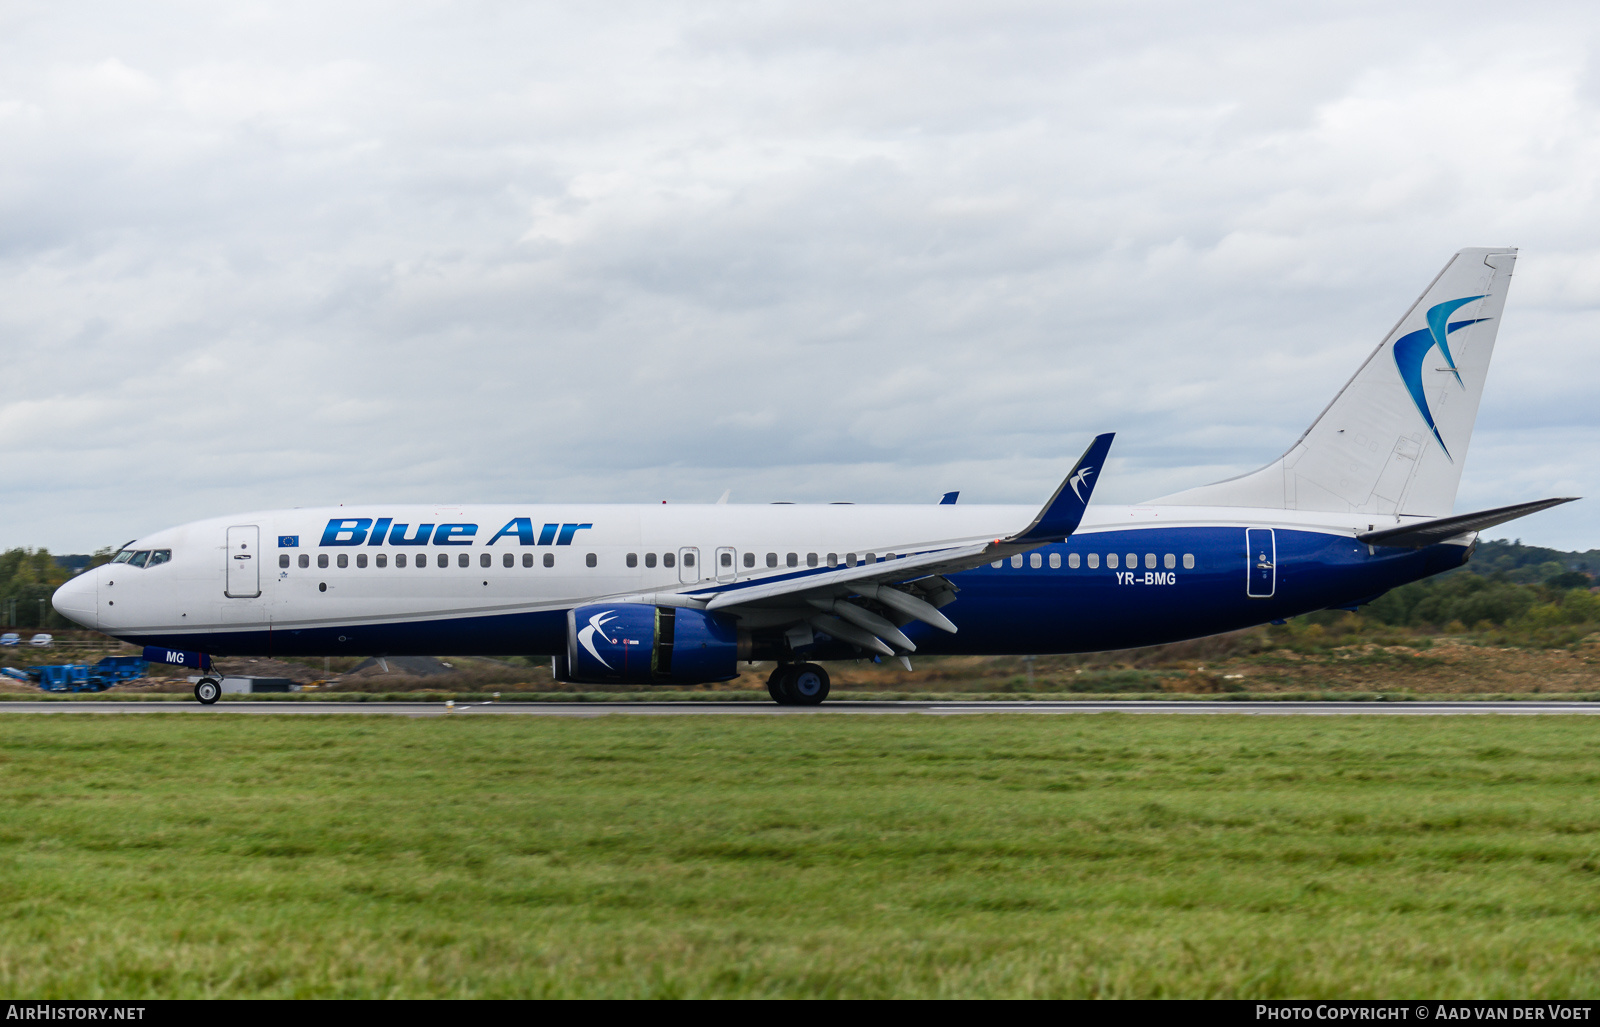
(756, 709)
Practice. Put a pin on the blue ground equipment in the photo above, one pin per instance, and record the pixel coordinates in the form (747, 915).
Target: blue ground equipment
(113, 669)
(78, 677)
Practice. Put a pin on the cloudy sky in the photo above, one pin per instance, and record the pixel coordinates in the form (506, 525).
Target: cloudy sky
(281, 254)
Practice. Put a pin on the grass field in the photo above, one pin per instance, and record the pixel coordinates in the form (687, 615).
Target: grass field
(992, 855)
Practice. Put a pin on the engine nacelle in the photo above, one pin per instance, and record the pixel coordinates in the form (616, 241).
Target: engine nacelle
(635, 644)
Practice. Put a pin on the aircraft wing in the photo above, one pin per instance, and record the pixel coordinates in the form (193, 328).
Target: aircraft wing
(910, 586)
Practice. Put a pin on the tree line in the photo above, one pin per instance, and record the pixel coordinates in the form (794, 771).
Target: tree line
(28, 578)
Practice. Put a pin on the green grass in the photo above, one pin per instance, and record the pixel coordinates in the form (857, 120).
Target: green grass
(991, 855)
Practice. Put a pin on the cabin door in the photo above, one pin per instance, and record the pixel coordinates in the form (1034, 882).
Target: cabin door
(244, 562)
(1262, 559)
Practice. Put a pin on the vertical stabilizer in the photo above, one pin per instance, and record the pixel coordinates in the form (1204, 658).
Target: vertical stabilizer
(1394, 439)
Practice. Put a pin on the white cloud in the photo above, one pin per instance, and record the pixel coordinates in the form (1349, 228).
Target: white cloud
(279, 255)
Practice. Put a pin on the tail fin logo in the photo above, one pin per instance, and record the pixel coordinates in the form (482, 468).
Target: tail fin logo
(1078, 480)
(1411, 350)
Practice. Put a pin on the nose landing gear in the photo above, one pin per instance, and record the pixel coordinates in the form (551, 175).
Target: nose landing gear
(798, 684)
(207, 691)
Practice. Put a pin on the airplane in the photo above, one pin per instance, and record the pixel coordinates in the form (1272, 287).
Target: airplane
(683, 594)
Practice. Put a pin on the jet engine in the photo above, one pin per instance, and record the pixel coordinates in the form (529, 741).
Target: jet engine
(631, 643)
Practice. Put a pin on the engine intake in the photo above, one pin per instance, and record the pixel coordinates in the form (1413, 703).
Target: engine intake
(635, 644)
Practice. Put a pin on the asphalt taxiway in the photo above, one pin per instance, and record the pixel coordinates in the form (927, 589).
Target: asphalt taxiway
(657, 709)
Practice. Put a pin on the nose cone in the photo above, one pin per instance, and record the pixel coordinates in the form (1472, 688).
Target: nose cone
(78, 599)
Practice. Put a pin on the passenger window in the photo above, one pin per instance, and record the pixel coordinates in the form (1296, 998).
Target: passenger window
(833, 559)
(1072, 560)
(1016, 561)
(688, 559)
(305, 561)
(1188, 561)
(749, 559)
(462, 560)
(668, 560)
(344, 560)
(283, 559)
(1035, 561)
(399, 559)
(1169, 561)
(527, 559)
(772, 559)
(159, 556)
(422, 560)
(509, 560)
(649, 559)
(549, 559)
(1133, 560)
(849, 559)
(383, 560)
(485, 560)
(1149, 561)
(322, 559)
(811, 559)
(1094, 561)
(727, 560)
(1111, 561)
(443, 559)
(793, 560)
(361, 559)
(633, 559)
(1055, 561)
(589, 560)
(998, 564)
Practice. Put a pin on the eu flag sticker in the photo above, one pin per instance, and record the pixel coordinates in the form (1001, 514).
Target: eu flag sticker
(288, 541)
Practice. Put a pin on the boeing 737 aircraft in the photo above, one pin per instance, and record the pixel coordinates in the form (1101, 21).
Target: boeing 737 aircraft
(660, 594)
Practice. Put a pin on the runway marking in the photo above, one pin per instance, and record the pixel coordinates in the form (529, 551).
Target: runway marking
(933, 708)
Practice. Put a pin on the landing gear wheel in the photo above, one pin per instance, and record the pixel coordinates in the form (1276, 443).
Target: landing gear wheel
(779, 685)
(208, 691)
(807, 684)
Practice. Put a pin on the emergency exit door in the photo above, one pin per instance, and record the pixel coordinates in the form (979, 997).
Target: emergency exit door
(244, 562)
(1261, 554)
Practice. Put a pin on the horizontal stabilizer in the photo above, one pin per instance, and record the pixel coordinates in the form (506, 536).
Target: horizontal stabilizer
(1427, 533)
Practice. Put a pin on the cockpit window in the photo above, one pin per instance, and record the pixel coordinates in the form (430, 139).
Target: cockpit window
(143, 557)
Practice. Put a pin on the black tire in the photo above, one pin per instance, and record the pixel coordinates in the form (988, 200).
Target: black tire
(778, 685)
(207, 691)
(807, 684)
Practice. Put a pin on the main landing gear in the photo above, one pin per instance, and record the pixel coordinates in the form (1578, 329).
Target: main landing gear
(798, 684)
(207, 691)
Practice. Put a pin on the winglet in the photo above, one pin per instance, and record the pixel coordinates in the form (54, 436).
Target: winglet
(1060, 516)
(949, 499)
